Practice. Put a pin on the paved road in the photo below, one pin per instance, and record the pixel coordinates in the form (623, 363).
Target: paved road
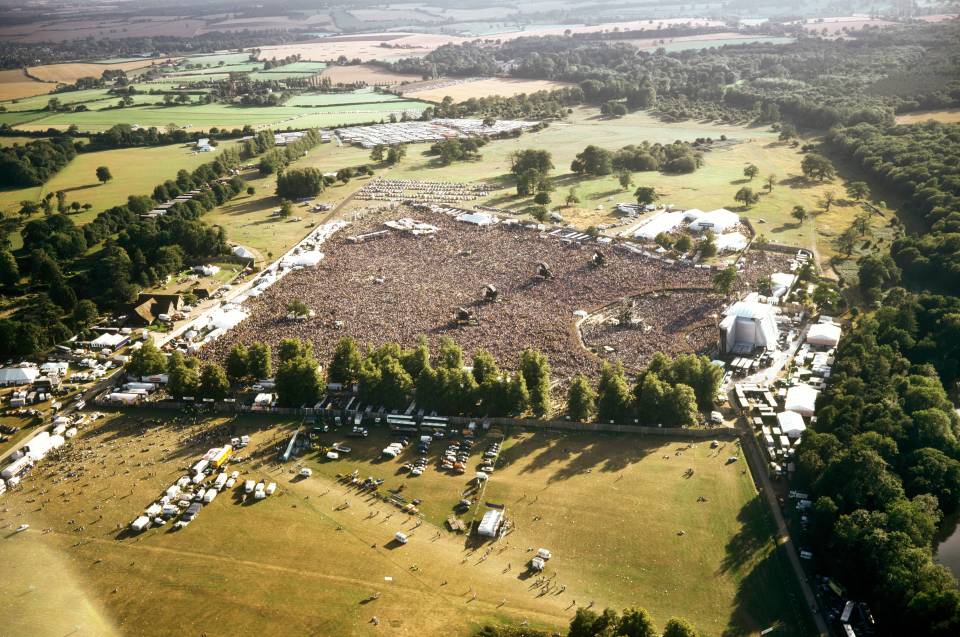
(758, 467)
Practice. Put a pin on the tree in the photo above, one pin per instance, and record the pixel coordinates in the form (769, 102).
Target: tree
(378, 153)
(625, 178)
(536, 374)
(484, 366)
(147, 360)
(636, 622)
(683, 243)
(213, 382)
(858, 190)
(724, 280)
(103, 174)
(396, 154)
(678, 627)
(182, 379)
(708, 246)
(299, 183)
(646, 195)
(259, 364)
(9, 271)
(770, 182)
(539, 161)
(572, 198)
(237, 362)
(298, 382)
(828, 198)
(85, 314)
(251, 190)
(862, 223)
(291, 348)
(286, 208)
(581, 399)
(746, 196)
(593, 160)
(847, 241)
(816, 166)
(613, 395)
(345, 363)
(298, 309)
(750, 171)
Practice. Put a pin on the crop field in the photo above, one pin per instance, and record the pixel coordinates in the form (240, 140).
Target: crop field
(135, 172)
(205, 116)
(299, 67)
(15, 84)
(366, 46)
(71, 72)
(281, 75)
(366, 74)
(610, 512)
(58, 30)
(695, 42)
(463, 91)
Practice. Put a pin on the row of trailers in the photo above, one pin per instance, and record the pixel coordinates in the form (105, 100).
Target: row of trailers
(338, 411)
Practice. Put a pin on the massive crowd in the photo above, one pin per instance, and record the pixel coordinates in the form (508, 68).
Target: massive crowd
(401, 286)
(435, 191)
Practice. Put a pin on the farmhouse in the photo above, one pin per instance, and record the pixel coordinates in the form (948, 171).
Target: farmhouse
(150, 307)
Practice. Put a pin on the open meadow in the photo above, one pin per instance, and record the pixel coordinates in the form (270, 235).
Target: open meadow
(69, 73)
(317, 557)
(135, 172)
(461, 91)
(15, 84)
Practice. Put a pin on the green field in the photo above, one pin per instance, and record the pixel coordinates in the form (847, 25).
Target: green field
(135, 172)
(214, 59)
(609, 508)
(280, 74)
(299, 67)
(204, 116)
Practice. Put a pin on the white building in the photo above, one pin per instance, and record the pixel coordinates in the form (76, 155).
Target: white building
(824, 334)
(748, 325)
(19, 375)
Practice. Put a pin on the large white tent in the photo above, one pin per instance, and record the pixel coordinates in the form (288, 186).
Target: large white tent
(306, 259)
(801, 399)
(824, 334)
(11, 376)
(791, 423)
(719, 220)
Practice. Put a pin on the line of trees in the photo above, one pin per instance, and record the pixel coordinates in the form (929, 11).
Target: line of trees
(678, 157)
(632, 622)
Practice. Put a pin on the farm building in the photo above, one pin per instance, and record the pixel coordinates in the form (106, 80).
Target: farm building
(748, 325)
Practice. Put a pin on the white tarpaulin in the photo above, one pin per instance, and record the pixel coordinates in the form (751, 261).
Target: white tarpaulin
(308, 259)
(801, 399)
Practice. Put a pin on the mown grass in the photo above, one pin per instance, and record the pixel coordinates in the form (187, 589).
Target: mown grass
(609, 508)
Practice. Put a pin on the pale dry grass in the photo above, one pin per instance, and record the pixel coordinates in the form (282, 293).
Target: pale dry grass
(71, 72)
(366, 73)
(946, 116)
(14, 85)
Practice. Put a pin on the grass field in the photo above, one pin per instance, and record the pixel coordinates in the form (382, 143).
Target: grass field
(361, 96)
(135, 172)
(609, 508)
(205, 116)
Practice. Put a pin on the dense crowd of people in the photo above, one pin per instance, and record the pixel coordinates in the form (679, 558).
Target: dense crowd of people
(402, 286)
(379, 189)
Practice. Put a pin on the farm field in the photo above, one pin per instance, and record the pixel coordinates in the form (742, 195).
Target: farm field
(135, 172)
(609, 511)
(70, 72)
(361, 96)
(14, 84)
(205, 116)
(505, 87)
(366, 74)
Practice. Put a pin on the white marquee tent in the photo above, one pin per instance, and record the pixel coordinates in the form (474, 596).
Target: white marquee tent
(791, 423)
(801, 399)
